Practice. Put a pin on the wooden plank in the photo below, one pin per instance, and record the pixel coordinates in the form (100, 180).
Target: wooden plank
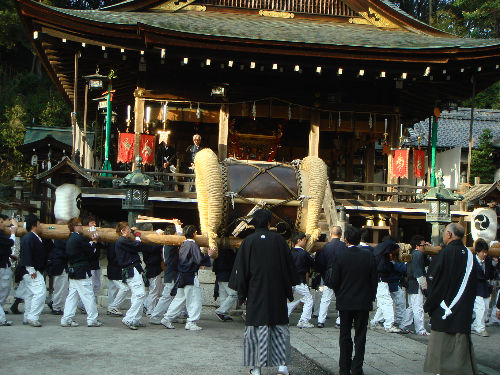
(314, 134)
(138, 123)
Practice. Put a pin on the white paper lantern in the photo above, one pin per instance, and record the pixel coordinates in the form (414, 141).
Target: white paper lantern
(484, 224)
(68, 202)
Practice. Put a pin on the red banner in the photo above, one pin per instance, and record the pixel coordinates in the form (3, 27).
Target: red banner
(125, 147)
(147, 149)
(419, 163)
(400, 163)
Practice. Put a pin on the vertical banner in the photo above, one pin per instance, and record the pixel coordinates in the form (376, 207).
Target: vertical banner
(147, 149)
(400, 163)
(419, 163)
(125, 147)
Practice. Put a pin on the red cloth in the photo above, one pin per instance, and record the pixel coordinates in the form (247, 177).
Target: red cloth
(125, 147)
(400, 163)
(147, 149)
(419, 163)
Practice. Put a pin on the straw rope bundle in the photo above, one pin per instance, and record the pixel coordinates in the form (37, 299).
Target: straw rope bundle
(315, 170)
(209, 193)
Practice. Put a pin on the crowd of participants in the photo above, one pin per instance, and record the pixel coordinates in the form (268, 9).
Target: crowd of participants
(174, 295)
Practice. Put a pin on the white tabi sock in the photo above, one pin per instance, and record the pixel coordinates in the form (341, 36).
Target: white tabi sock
(283, 370)
(255, 371)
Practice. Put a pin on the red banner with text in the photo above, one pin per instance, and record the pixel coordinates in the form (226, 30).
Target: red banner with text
(147, 149)
(419, 163)
(125, 147)
(400, 163)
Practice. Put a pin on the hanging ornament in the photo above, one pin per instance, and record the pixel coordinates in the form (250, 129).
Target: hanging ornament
(370, 121)
(198, 112)
(243, 109)
(340, 120)
(254, 111)
(329, 120)
(289, 112)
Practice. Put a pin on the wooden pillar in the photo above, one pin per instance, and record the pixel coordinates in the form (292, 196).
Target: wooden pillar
(348, 161)
(223, 131)
(314, 134)
(75, 100)
(138, 123)
(394, 224)
(370, 162)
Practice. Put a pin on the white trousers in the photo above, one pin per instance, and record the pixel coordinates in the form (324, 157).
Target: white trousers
(227, 298)
(34, 296)
(61, 286)
(415, 313)
(326, 298)
(154, 293)
(80, 290)
(191, 296)
(20, 290)
(302, 290)
(5, 283)
(481, 306)
(493, 315)
(136, 286)
(96, 285)
(398, 299)
(385, 309)
(164, 302)
(117, 293)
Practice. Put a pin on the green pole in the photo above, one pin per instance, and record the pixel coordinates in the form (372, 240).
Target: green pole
(433, 150)
(109, 112)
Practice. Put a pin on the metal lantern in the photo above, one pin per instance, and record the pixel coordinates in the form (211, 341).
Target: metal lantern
(440, 200)
(95, 82)
(137, 186)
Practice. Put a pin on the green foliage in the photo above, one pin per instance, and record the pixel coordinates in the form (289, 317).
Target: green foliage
(11, 136)
(488, 98)
(482, 164)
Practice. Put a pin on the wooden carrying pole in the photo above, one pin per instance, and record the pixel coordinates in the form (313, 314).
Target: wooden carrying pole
(61, 232)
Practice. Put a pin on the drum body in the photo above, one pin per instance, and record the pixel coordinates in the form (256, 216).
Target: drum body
(248, 184)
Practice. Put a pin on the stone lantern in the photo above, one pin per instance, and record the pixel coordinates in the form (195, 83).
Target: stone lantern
(137, 186)
(440, 199)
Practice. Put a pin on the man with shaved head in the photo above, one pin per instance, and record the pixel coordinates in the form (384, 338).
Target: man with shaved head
(451, 295)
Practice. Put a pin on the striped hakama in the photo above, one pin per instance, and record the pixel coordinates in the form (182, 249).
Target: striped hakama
(266, 346)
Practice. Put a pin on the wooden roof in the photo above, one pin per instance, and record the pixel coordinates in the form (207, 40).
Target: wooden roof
(67, 166)
(372, 35)
(481, 191)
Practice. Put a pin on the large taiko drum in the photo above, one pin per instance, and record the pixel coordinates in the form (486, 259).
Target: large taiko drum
(228, 192)
(248, 185)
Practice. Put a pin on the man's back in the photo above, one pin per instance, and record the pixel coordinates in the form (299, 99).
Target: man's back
(354, 279)
(326, 257)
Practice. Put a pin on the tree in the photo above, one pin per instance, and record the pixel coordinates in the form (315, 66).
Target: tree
(482, 164)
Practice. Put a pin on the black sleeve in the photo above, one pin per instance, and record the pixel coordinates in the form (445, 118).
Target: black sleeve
(131, 246)
(434, 292)
(373, 276)
(336, 275)
(6, 244)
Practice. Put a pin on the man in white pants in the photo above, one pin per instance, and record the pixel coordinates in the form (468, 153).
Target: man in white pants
(324, 260)
(79, 252)
(6, 244)
(188, 286)
(485, 273)
(127, 254)
(303, 262)
(152, 257)
(171, 259)
(117, 290)
(417, 286)
(385, 309)
(32, 262)
(222, 267)
(56, 268)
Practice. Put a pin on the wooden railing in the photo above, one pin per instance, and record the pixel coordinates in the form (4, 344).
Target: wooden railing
(182, 182)
(376, 191)
(326, 7)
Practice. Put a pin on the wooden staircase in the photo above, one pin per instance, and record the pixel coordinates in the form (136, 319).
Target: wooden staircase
(328, 217)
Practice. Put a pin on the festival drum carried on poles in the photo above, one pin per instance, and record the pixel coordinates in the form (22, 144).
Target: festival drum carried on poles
(230, 191)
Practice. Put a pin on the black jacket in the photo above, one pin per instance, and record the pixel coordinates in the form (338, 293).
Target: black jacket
(484, 288)
(127, 251)
(113, 269)
(303, 263)
(445, 276)
(151, 255)
(263, 275)
(6, 244)
(79, 252)
(171, 258)
(325, 258)
(58, 261)
(33, 253)
(384, 264)
(165, 154)
(223, 265)
(355, 279)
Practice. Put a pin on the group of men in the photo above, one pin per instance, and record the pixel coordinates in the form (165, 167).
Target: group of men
(358, 275)
(74, 267)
